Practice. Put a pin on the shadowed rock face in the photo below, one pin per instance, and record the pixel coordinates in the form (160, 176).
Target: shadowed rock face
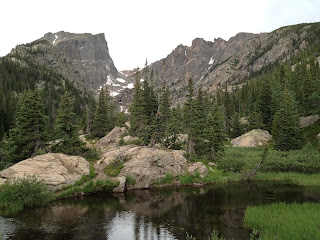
(89, 56)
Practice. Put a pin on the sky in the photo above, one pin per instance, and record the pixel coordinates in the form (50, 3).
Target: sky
(137, 30)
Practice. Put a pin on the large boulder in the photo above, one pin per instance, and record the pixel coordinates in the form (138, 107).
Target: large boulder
(146, 165)
(309, 120)
(198, 167)
(111, 140)
(56, 169)
(254, 138)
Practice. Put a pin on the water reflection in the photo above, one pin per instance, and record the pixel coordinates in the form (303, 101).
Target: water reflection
(127, 225)
(154, 214)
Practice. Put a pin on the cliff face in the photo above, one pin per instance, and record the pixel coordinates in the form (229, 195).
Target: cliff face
(89, 56)
(213, 64)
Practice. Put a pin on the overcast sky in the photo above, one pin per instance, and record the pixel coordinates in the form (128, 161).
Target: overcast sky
(140, 29)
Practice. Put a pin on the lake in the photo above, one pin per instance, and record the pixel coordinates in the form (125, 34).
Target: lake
(152, 214)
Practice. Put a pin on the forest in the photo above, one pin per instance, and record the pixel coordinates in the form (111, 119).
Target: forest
(39, 106)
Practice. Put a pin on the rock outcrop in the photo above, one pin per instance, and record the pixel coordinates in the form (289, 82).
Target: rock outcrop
(146, 165)
(198, 167)
(309, 120)
(89, 56)
(56, 169)
(111, 140)
(254, 138)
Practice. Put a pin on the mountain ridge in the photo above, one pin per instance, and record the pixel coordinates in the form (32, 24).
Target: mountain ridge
(220, 63)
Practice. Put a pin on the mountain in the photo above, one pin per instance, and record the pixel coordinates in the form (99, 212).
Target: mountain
(89, 56)
(221, 62)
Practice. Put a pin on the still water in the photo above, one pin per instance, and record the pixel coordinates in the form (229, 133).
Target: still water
(152, 214)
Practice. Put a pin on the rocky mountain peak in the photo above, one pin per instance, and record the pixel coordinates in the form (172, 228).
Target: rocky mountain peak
(221, 62)
(88, 54)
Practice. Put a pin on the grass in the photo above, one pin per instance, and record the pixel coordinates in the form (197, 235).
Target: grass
(189, 179)
(168, 179)
(310, 180)
(244, 160)
(114, 168)
(130, 180)
(284, 221)
(90, 187)
(22, 193)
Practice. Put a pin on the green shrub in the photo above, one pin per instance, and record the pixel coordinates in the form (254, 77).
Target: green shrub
(130, 180)
(22, 193)
(90, 154)
(89, 187)
(186, 179)
(121, 142)
(92, 174)
(83, 179)
(114, 168)
(306, 160)
(192, 157)
(166, 180)
(138, 142)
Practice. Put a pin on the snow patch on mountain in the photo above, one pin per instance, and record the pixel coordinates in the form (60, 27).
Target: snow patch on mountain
(121, 80)
(55, 39)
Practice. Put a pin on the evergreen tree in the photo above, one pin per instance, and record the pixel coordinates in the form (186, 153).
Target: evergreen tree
(215, 133)
(264, 103)
(285, 129)
(236, 126)
(199, 123)
(27, 134)
(137, 118)
(255, 121)
(91, 110)
(189, 115)
(66, 130)
(102, 118)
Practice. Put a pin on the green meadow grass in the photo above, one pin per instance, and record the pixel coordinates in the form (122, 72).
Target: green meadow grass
(284, 221)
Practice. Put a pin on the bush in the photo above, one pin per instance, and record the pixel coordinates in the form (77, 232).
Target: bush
(137, 142)
(186, 179)
(306, 160)
(114, 168)
(192, 157)
(92, 174)
(166, 180)
(90, 154)
(130, 180)
(240, 159)
(22, 193)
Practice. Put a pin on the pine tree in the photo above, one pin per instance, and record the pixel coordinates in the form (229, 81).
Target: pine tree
(102, 118)
(236, 126)
(255, 121)
(199, 122)
(27, 134)
(137, 118)
(264, 103)
(285, 129)
(66, 130)
(215, 133)
(91, 110)
(189, 114)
